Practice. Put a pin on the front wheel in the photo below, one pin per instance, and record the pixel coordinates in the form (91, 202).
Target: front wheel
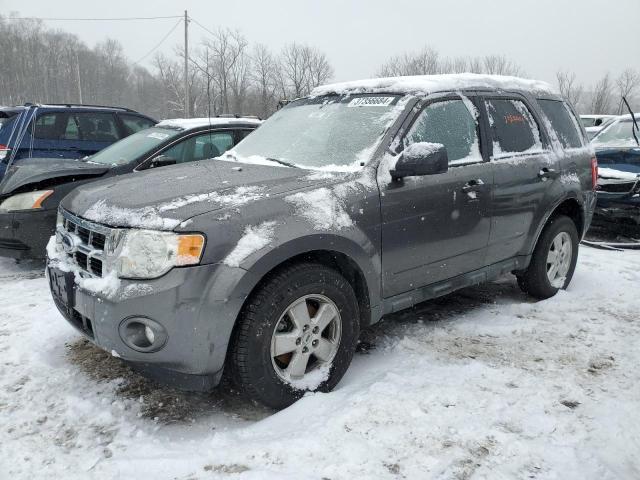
(553, 261)
(297, 333)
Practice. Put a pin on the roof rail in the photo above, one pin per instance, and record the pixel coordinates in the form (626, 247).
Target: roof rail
(236, 115)
(125, 109)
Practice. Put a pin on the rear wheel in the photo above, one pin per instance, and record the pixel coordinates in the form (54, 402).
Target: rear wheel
(297, 333)
(553, 261)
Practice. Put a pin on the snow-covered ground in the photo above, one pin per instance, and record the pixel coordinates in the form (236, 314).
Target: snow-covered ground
(484, 383)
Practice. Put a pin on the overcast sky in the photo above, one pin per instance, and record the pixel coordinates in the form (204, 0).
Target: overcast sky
(589, 37)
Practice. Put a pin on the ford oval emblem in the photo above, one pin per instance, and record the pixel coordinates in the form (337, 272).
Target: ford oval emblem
(70, 243)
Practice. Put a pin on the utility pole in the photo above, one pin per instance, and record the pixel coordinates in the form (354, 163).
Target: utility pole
(186, 65)
(78, 76)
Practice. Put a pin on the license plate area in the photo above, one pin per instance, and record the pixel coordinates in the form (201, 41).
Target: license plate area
(62, 287)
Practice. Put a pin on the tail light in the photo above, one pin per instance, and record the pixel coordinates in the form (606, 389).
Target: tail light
(594, 173)
(4, 151)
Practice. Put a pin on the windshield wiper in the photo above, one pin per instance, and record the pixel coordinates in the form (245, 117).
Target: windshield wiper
(282, 162)
(634, 127)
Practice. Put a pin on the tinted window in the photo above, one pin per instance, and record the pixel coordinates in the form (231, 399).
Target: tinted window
(200, 147)
(563, 122)
(452, 124)
(50, 126)
(513, 127)
(134, 123)
(211, 145)
(97, 127)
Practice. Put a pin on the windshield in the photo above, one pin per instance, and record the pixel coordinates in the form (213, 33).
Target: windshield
(134, 146)
(618, 134)
(6, 126)
(324, 133)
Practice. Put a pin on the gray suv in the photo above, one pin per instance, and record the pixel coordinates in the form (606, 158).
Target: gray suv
(362, 199)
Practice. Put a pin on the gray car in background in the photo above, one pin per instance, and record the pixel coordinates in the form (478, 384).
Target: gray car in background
(362, 199)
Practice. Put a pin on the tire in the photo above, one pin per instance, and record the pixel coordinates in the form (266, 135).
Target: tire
(535, 280)
(254, 366)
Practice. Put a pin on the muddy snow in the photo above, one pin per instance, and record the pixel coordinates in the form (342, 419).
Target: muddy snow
(484, 383)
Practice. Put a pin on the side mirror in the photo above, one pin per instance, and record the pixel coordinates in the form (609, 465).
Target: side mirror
(422, 158)
(161, 161)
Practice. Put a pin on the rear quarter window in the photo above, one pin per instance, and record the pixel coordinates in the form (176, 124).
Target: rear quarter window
(513, 127)
(563, 123)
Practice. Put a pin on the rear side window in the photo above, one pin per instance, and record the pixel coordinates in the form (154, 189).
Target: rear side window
(563, 122)
(96, 127)
(211, 145)
(513, 128)
(452, 124)
(134, 123)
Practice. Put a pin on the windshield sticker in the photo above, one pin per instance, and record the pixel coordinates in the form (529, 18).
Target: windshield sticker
(371, 102)
(157, 135)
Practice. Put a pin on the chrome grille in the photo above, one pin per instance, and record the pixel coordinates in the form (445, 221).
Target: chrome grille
(89, 242)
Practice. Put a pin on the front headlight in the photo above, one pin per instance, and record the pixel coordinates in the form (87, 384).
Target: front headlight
(25, 201)
(150, 254)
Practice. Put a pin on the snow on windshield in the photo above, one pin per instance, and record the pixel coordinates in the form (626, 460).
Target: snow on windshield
(337, 133)
(618, 134)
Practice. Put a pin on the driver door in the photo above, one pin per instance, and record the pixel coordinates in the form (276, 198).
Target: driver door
(436, 227)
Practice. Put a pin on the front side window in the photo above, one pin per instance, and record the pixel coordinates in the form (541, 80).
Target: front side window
(451, 124)
(50, 126)
(333, 132)
(513, 128)
(97, 127)
(200, 147)
(563, 122)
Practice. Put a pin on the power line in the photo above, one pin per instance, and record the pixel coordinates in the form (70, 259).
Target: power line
(201, 26)
(116, 19)
(159, 43)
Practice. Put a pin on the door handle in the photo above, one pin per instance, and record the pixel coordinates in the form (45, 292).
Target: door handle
(472, 185)
(545, 173)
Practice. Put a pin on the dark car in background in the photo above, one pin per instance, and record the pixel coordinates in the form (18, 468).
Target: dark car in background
(33, 187)
(618, 187)
(63, 131)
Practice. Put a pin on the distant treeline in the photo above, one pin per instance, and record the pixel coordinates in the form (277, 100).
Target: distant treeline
(226, 73)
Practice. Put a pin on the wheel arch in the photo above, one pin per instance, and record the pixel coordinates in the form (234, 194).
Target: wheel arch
(569, 206)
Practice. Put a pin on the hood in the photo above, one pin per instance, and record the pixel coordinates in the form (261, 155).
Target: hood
(163, 198)
(35, 170)
(621, 158)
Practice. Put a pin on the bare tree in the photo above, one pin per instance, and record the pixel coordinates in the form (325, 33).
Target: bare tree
(627, 84)
(423, 62)
(263, 75)
(500, 65)
(601, 97)
(568, 87)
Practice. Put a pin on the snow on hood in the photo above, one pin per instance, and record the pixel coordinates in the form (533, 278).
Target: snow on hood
(612, 173)
(189, 123)
(426, 84)
(163, 198)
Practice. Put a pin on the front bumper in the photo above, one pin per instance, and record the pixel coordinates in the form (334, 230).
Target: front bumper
(25, 234)
(197, 306)
(617, 209)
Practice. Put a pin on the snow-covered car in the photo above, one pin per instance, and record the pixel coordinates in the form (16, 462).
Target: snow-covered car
(361, 199)
(618, 189)
(593, 124)
(32, 188)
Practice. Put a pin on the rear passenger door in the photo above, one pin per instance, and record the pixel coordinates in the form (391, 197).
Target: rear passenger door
(525, 170)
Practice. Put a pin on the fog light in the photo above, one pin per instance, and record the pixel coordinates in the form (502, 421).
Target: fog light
(142, 334)
(149, 334)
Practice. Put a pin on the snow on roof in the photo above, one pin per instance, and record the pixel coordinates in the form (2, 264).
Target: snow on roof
(598, 116)
(188, 123)
(425, 84)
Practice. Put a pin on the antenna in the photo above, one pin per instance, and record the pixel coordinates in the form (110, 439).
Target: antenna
(634, 127)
